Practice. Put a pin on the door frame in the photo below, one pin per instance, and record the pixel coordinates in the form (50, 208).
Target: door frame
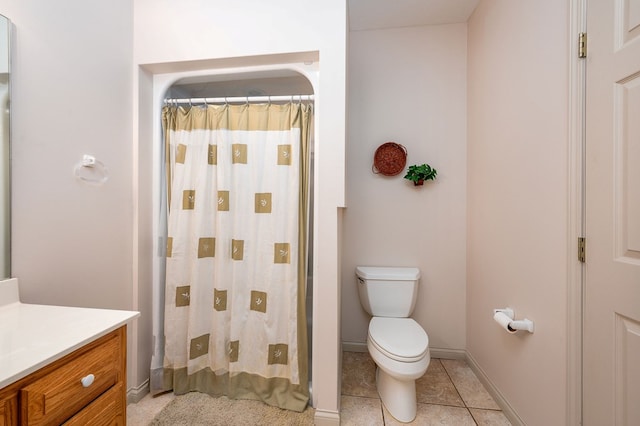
(576, 208)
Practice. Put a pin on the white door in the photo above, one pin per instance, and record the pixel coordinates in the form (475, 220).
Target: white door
(612, 285)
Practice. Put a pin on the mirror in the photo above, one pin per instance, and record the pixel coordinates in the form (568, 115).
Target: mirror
(5, 150)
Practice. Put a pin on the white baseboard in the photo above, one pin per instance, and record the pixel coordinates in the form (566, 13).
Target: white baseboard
(354, 347)
(448, 353)
(135, 394)
(507, 409)
(435, 352)
(326, 418)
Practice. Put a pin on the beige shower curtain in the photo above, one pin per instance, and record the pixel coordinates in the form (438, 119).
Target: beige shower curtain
(237, 182)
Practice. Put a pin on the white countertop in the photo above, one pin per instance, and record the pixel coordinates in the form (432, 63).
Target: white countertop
(32, 336)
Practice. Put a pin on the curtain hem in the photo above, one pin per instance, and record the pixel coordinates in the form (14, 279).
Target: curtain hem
(275, 391)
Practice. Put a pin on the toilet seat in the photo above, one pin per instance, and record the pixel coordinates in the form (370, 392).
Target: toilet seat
(401, 339)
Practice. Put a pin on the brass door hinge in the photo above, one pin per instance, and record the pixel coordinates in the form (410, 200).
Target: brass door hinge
(582, 45)
(581, 249)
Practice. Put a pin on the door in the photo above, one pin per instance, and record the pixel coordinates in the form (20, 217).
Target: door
(611, 381)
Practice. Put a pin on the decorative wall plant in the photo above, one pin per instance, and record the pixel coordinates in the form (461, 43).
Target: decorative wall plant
(419, 173)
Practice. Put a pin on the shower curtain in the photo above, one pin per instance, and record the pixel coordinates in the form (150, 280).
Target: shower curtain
(237, 191)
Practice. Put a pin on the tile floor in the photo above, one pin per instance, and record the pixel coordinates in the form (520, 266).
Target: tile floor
(448, 394)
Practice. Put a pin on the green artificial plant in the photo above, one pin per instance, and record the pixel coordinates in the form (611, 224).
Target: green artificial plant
(419, 173)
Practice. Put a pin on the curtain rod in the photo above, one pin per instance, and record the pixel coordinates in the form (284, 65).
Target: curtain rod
(241, 99)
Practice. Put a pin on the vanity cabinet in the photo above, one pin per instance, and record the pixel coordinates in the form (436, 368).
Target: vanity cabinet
(85, 387)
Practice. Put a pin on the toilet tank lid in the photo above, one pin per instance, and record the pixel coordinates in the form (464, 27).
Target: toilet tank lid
(387, 273)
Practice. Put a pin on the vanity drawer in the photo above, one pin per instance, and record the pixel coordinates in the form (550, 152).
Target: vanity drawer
(107, 410)
(60, 394)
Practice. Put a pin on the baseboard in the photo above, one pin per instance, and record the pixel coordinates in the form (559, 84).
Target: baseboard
(448, 353)
(507, 409)
(435, 352)
(326, 418)
(354, 347)
(134, 395)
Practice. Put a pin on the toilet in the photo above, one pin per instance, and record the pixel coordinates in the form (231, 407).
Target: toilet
(397, 344)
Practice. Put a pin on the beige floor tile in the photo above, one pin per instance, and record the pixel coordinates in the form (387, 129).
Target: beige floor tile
(469, 387)
(489, 417)
(356, 411)
(358, 375)
(428, 414)
(435, 387)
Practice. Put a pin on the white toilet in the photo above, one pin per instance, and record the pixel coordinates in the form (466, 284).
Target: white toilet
(398, 345)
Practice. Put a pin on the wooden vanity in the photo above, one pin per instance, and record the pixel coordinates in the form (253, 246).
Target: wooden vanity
(61, 365)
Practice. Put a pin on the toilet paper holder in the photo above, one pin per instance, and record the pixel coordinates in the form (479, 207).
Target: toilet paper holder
(505, 317)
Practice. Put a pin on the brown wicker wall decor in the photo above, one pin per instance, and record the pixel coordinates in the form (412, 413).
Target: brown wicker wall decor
(389, 159)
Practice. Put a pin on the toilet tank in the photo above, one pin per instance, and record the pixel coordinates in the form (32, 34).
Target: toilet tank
(388, 291)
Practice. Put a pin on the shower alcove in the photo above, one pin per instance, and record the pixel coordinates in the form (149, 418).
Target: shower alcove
(233, 86)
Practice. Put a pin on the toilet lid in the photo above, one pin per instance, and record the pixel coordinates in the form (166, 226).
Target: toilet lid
(401, 339)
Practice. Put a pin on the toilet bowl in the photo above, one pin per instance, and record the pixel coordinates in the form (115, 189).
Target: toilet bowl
(400, 349)
(397, 344)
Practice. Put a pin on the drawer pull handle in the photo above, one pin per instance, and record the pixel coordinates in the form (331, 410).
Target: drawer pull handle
(87, 380)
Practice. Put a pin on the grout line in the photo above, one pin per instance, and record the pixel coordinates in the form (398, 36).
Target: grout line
(443, 404)
(360, 396)
(454, 386)
(472, 418)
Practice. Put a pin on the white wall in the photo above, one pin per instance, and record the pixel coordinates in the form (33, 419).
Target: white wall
(196, 34)
(518, 200)
(71, 95)
(408, 85)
